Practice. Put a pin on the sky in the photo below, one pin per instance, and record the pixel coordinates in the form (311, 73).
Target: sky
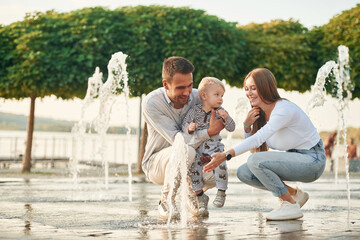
(309, 13)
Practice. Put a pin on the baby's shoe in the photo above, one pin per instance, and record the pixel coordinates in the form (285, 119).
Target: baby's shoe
(219, 199)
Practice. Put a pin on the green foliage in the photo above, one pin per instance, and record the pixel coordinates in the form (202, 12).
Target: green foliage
(343, 29)
(214, 46)
(35, 57)
(55, 53)
(96, 34)
(284, 48)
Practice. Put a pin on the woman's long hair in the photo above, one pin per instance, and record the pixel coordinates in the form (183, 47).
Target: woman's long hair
(266, 86)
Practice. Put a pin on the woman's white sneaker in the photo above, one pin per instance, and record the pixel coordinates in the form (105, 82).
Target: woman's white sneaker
(287, 211)
(301, 197)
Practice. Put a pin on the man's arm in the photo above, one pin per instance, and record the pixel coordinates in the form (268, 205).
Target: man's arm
(159, 119)
(161, 122)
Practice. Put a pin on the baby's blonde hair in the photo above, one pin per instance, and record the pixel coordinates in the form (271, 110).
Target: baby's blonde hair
(208, 81)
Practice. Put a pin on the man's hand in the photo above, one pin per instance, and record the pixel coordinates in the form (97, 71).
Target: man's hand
(192, 127)
(215, 125)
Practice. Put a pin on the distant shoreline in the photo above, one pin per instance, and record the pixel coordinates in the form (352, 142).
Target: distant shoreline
(17, 122)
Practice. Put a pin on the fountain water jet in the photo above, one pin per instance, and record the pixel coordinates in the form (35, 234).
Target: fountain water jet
(106, 94)
(79, 129)
(339, 73)
(241, 109)
(179, 176)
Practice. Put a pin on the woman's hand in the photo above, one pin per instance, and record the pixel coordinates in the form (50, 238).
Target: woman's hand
(217, 158)
(252, 116)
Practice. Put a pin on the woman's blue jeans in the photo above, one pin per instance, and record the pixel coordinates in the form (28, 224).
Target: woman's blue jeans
(267, 170)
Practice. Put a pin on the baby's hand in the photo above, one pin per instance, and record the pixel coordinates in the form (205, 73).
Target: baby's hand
(223, 114)
(192, 127)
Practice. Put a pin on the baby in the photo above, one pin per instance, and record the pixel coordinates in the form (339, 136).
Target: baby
(211, 91)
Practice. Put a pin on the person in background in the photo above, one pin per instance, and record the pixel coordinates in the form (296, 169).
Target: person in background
(329, 144)
(351, 149)
(277, 123)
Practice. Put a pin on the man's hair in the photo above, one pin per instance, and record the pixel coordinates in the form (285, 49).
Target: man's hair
(206, 82)
(174, 65)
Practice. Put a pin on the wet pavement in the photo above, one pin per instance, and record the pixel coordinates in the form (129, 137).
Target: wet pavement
(55, 208)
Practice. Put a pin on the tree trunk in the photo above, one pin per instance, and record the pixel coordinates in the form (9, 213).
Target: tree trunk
(26, 160)
(144, 136)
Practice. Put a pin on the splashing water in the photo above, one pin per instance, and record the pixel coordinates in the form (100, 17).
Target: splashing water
(341, 76)
(106, 94)
(318, 89)
(178, 177)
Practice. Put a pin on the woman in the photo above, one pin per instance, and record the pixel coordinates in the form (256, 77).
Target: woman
(281, 125)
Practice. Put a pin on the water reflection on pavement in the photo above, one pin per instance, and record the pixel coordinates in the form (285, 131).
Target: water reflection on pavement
(58, 209)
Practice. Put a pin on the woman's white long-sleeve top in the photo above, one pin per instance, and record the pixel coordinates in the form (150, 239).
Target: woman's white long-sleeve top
(288, 128)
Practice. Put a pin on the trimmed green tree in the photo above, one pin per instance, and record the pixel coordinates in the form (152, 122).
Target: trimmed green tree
(215, 47)
(285, 48)
(25, 73)
(55, 53)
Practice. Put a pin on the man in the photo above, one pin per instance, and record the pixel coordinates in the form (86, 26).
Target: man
(164, 110)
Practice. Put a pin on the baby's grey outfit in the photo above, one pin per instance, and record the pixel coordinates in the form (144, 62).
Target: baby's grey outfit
(202, 119)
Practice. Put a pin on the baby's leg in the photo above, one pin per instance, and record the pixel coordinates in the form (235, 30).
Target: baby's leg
(196, 174)
(221, 176)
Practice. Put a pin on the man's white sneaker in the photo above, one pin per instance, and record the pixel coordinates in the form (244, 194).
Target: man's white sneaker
(286, 211)
(164, 210)
(301, 197)
(192, 204)
(203, 205)
(219, 199)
